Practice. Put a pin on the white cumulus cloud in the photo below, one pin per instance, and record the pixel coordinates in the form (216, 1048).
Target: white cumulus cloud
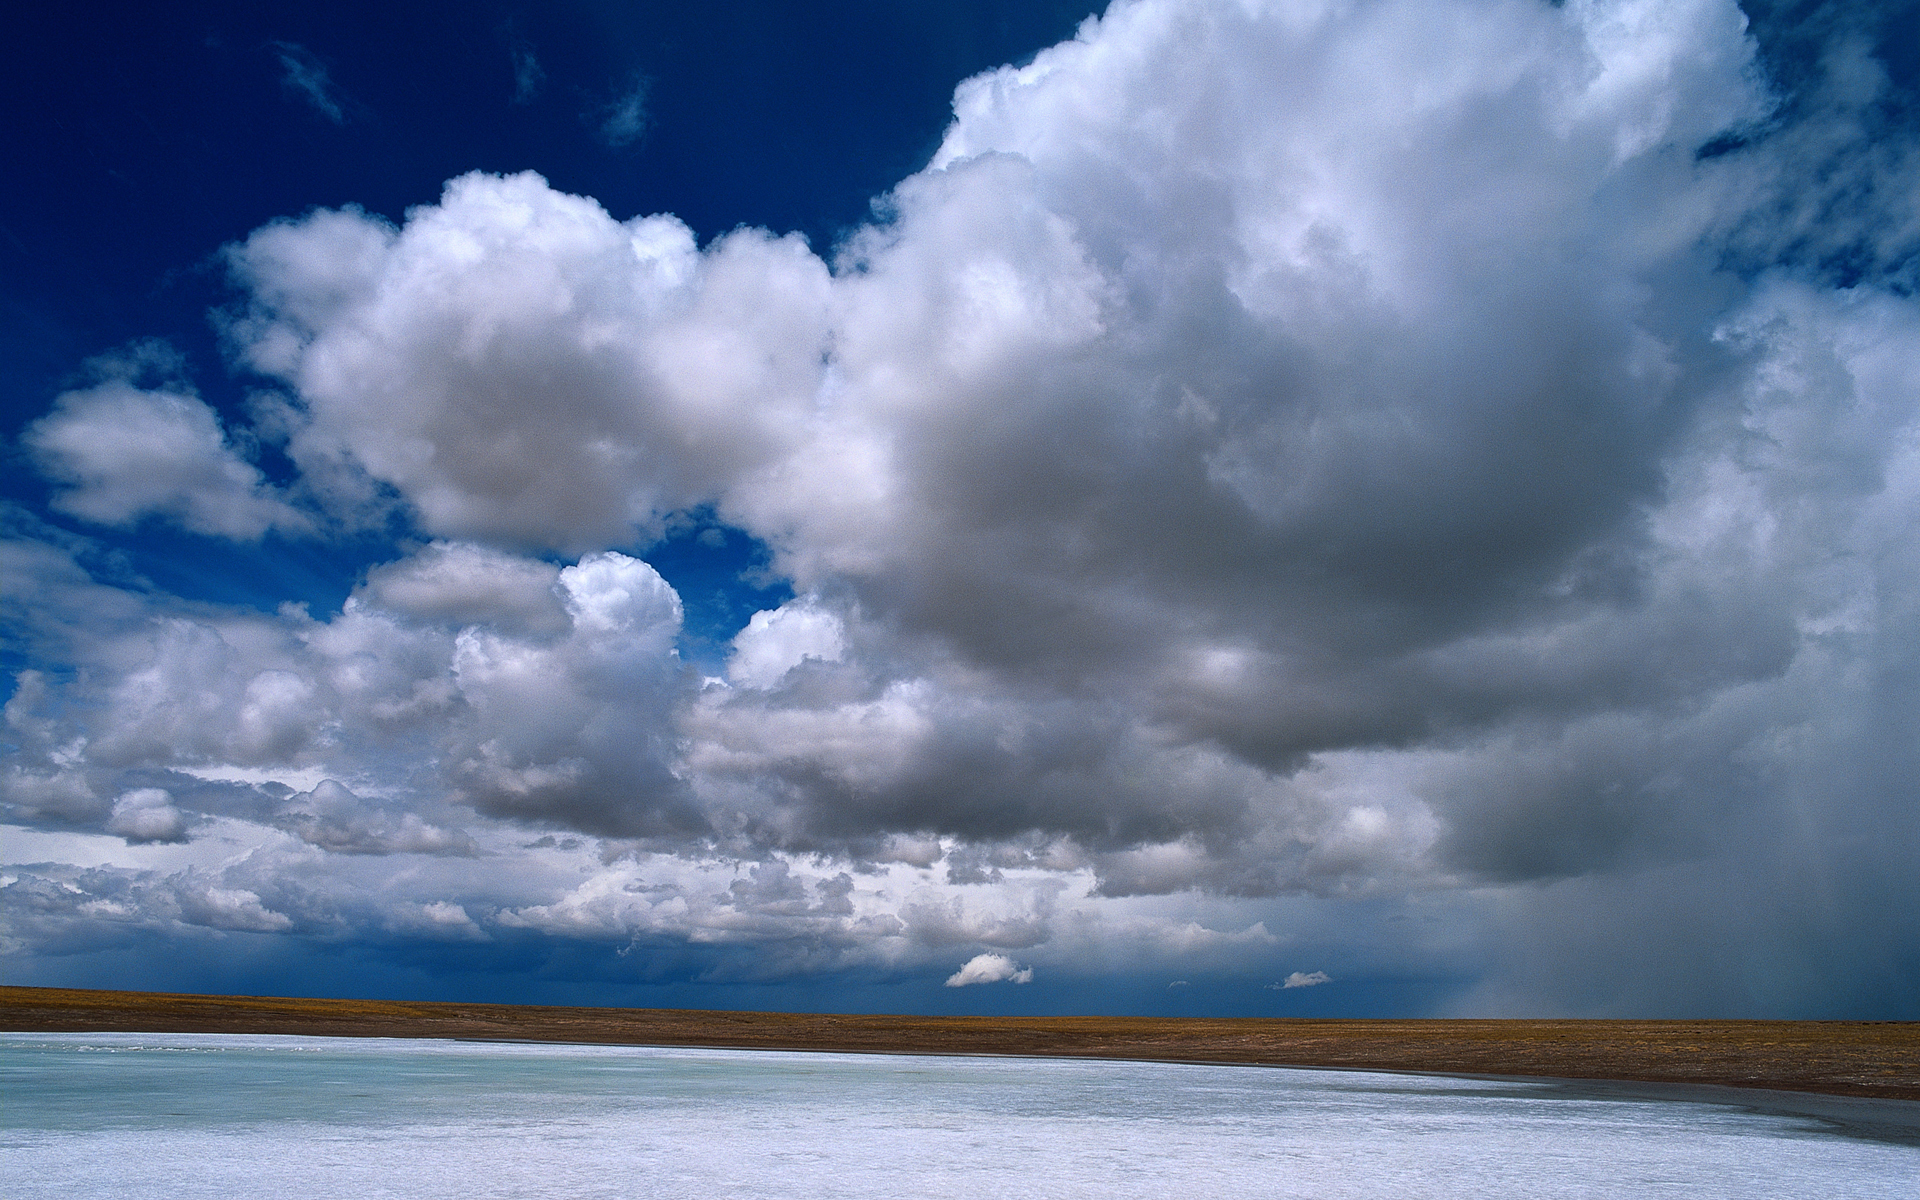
(147, 815)
(122, 453)
(989, 968)
(777, 640)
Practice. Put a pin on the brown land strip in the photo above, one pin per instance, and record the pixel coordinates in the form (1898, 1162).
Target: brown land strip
(1878, 1059)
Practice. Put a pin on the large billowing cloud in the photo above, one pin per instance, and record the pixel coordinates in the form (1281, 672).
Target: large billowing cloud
(1410, 453)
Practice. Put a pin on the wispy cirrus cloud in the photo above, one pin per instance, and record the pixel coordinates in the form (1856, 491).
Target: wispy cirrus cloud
(622, 120)
(528, 75)
(305, 74)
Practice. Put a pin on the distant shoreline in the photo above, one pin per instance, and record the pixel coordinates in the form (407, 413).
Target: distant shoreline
(1873, 1059)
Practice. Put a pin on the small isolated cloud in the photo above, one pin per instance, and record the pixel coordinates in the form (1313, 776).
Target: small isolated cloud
(622, 121)
(303, 74)
(333, 818)
(202, 903)
(123, 453)
(1179, 983)
(148, 815)
(989, 968)
(440, 920)
(1300, 979)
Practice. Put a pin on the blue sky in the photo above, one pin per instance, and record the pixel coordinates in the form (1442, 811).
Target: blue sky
(1274, 508)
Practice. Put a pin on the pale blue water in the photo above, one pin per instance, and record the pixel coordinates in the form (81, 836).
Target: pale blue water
(172, 1115)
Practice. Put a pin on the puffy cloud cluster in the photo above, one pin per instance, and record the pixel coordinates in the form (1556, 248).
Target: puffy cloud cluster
(521, 688)
(1346, 449)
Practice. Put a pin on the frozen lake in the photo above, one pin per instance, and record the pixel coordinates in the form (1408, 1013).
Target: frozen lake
(181, 1115)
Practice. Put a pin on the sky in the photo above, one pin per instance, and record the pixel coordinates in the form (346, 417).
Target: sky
(1210, 507)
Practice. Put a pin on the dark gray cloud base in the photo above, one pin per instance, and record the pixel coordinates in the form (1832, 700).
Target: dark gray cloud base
(1398, 476)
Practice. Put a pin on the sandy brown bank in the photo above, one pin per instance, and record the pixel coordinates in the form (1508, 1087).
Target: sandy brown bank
(1848, 1058)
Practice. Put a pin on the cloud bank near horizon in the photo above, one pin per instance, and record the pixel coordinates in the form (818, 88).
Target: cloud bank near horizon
(1418, 462)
